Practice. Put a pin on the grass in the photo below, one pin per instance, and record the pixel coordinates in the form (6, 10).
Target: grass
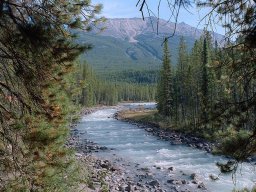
(138, 115)
(146, 116)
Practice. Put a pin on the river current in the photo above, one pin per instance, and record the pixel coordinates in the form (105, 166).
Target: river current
(136, 145)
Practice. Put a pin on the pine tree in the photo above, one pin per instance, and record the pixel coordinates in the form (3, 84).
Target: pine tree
(35, 104)
(204, 83)
(165, 89)
(181, 75)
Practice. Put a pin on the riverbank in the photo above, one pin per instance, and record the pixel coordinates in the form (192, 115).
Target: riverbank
(145, 120)
(103, 175)
(116, 174)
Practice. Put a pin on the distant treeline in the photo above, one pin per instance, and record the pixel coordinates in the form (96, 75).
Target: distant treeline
(134, 76)
(96, 90)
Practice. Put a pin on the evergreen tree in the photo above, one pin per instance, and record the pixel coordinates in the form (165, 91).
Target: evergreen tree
(37, 52)
(181, 75)
(204, 83)
(165, 90)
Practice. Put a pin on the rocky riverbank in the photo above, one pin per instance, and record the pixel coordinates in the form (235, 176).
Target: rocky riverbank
(107, 175)
(112, 173)
(117, 174)
(175, 138)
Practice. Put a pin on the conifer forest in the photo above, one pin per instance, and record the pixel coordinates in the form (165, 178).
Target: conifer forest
(71, 119)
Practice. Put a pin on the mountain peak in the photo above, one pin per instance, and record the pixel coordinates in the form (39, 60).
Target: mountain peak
(130, 28)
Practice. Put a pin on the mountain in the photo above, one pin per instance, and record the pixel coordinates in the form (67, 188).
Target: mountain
(134, 44)
(130, 28)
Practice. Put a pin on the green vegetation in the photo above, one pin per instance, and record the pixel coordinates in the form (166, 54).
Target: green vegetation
(165, 88)
(96, 91)
(202, 98)
(147, 116)
(43, 86)
(133, 76)
(113, 55)
(207, 100)
(139, 115)
(37, 55)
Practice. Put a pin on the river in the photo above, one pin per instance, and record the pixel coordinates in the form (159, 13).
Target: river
(137, 146)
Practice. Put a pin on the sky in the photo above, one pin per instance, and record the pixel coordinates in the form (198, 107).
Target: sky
(128, 9)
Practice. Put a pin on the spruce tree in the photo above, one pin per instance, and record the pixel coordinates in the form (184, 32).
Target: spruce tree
(204, 83)
(164, 89)
(181, 75)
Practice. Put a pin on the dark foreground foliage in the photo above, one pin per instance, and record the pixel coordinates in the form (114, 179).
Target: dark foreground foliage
(36, 53)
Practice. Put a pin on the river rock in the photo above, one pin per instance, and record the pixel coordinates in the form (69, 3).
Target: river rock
(175, 182)
(113, 168)
(105, 164)
(129, 188)
(122, 187)
(201, 186)
(144, 169)
(149, 129)
(78, 155)
(194, 176)
(103, 148)
(213, 177)
(170, 181)
(171, 168)
(154, 183)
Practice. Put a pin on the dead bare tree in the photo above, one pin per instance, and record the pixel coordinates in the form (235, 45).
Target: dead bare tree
(174, 7)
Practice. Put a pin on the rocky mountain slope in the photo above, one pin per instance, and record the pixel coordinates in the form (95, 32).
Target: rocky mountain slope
(130, 28)
(134, 44)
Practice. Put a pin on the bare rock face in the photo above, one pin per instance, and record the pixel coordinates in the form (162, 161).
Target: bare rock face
(129, 28)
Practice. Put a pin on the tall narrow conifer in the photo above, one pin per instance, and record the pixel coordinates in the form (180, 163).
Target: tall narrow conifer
(164, 90)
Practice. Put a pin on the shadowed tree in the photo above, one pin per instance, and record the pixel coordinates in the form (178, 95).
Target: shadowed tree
(37, 50)
(164, 88)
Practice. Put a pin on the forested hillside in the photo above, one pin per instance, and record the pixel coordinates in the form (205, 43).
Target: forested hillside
(130, 51)
(202, 96)
(94, 90)
(133, 44)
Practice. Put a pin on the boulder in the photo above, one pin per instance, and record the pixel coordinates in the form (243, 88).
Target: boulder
(122, 187)
(170, 181)
(194, 176)
(201, 186)
(171, 168)
(154, 183)
(149, 129)
(105, 164)
(213, 177)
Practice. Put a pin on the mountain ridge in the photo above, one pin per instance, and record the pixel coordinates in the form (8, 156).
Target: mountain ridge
(129, 28)
(132, 44)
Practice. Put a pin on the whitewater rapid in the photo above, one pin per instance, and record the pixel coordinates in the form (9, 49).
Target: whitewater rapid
(138, 146)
